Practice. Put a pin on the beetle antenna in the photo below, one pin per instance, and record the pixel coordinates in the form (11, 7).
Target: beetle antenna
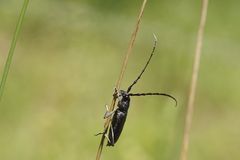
(153, 49)
(154, 94)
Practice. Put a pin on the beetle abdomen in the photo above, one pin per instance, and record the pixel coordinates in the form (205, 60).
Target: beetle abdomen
(118, 121)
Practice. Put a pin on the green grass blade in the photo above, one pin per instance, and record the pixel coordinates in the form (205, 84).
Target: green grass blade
(12, 47)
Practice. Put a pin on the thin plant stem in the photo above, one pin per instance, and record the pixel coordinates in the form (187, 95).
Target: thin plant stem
(123, 69)
(12, 47)
(130, 47)
(192, 91)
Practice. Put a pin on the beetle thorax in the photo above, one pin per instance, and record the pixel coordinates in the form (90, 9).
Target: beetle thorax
(123, 101)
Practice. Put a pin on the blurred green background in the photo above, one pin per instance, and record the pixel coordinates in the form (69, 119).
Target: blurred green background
(68, 59)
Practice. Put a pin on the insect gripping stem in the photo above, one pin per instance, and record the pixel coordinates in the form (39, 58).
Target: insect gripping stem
(131, 44)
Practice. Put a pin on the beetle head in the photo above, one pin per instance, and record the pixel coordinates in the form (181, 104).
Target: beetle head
(122, 95)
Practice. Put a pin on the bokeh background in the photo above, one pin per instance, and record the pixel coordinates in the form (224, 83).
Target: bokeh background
(68, 59)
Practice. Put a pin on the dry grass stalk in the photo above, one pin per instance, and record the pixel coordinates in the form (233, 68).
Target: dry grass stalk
(192, 92)
(123, 69)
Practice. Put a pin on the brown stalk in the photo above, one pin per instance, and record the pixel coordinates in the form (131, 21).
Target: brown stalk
(192, 91)
(123, 69)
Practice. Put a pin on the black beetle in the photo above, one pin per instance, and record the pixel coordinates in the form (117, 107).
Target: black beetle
(119, 115)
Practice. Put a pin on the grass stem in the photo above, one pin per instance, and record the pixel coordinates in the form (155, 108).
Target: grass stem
(192, 91)
(12, 47)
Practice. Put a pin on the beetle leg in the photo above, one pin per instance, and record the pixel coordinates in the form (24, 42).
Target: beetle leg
(105, 135)
(107, 138)
(115, 94)
(108, 113)
(98, 134)
(113, 141)
(107, 108)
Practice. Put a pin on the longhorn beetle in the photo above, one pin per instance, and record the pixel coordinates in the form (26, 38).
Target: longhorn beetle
(119, 115)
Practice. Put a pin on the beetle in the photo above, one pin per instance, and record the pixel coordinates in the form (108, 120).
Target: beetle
(119, 115)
